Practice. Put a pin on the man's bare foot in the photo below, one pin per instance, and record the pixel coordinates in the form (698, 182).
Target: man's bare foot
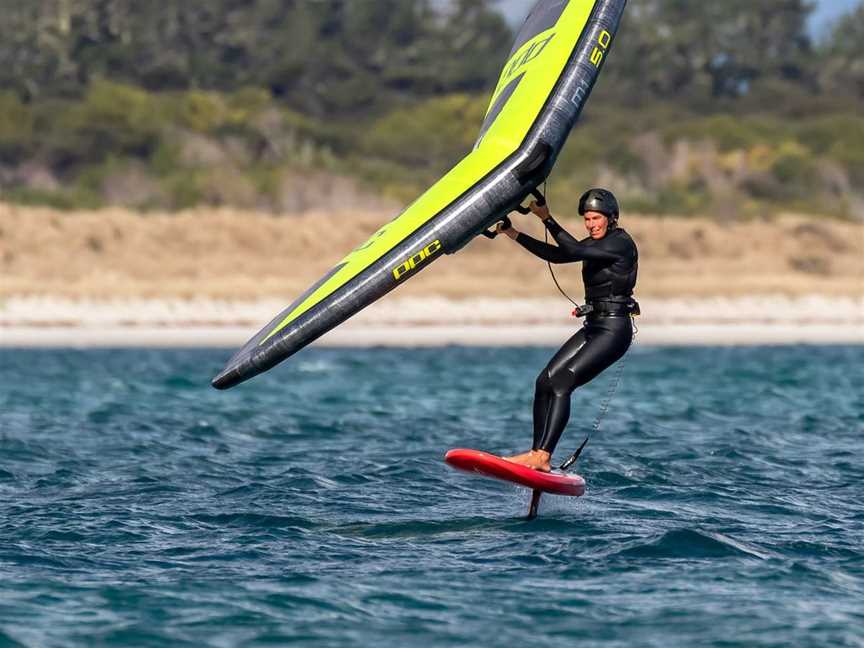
(536, 459)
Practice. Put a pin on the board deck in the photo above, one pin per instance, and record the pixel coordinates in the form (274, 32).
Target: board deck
(489, 465)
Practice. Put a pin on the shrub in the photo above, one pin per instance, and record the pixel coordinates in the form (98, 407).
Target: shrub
(201, 112)
(113, 119)
(73, 198)
(820, 135)
(16, 127)
(433, 134)
(795, 169)
(728, 132)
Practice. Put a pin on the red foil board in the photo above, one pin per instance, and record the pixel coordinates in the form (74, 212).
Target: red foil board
(489, 465)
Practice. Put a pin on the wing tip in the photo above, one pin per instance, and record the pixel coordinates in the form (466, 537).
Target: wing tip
(226, 379)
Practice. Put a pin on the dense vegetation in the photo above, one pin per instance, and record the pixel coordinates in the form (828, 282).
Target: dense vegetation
(730, 109)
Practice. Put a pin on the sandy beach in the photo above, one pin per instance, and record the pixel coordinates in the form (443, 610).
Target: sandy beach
(39, 321)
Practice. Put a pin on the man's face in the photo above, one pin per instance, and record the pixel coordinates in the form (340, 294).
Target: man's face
(596, 224)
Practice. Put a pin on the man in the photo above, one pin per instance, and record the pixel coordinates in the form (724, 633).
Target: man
(610, 262)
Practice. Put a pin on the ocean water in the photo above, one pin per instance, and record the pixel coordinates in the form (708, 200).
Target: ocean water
(311, 506)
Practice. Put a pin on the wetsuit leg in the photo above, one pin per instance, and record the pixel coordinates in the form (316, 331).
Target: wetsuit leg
(606, 340)
(544, 389)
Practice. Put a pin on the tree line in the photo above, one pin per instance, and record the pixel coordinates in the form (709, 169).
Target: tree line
(182, 94)
(733, 49)
(334, 56)
(322, 57)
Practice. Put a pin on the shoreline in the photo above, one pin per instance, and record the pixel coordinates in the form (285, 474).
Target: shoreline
(438, 336)
(409, 322)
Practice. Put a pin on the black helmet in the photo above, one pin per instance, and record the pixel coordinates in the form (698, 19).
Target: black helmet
(600, 200)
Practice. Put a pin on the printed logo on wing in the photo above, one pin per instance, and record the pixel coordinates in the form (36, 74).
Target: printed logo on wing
(417, 260)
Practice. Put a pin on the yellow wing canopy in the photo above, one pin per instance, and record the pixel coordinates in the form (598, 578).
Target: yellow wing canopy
(544, 47)
(526, 82)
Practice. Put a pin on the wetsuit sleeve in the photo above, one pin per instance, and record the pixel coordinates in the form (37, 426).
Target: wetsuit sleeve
(562, 236)
(547, 252)
(576, 251)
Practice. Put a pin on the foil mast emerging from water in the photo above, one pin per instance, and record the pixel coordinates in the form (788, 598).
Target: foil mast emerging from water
(546, 81)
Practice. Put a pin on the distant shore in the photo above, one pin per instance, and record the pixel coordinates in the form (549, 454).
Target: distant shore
(214, 277)
(434, 321)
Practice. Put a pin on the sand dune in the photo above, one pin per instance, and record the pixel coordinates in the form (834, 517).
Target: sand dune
(248, 256)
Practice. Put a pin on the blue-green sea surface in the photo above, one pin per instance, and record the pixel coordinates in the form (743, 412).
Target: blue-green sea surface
(139, 507)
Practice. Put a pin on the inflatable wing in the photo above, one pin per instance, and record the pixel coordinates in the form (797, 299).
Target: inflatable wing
(544, 85)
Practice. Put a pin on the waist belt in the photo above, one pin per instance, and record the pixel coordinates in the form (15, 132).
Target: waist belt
(609, 306)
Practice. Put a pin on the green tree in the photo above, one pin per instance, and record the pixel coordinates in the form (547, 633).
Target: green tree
(842, 55)
(669, 48)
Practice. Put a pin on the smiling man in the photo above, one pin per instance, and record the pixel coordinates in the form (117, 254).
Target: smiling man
(610, 262)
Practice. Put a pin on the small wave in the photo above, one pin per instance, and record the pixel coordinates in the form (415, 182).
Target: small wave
(315, 366)
(25, 559)
(254, 521)
(689, 543)
(827, 548)
(7, 641)
(61, 535)
(181, 382)
(420, 528)
(403, 601)
(605, 478)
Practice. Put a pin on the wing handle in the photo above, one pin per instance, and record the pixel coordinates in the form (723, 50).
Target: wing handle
(491, 233)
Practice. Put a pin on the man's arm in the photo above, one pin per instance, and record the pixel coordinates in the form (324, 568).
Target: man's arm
(547, 252)
(577, 251)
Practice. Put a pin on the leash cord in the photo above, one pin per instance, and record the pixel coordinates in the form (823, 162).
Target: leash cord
(549, 264)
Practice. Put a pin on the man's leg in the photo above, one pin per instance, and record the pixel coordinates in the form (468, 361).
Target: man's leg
(608, 341)
(546, 401)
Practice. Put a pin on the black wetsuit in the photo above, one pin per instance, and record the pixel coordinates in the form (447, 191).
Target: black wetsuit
(609, 274)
